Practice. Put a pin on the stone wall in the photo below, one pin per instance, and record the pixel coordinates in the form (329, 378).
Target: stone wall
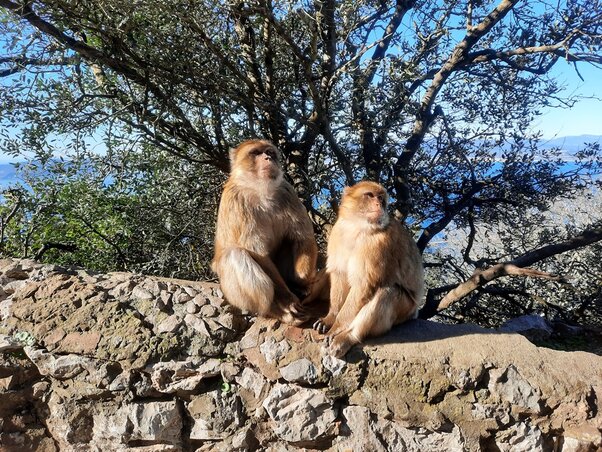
(112, 362)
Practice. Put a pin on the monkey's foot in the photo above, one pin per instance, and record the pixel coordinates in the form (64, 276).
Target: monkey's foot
(339, 345)
(320, 326)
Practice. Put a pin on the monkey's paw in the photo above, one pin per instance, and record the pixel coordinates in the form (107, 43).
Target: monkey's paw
(339, 345)
(298, 315)
(320, 326)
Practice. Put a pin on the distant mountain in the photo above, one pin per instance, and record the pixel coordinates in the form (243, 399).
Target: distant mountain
(571, 144)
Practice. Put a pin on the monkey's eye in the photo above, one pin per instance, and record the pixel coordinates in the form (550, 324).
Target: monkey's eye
(369, 194)
(255, 152)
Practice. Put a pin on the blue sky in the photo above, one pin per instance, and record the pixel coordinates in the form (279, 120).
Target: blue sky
(585, 117)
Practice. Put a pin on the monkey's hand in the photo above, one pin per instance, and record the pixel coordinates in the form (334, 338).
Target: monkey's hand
(299, 313)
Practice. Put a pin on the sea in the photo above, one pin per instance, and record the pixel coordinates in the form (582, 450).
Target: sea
(569, 145)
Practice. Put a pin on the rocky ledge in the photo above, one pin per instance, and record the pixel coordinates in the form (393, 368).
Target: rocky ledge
(112, 362)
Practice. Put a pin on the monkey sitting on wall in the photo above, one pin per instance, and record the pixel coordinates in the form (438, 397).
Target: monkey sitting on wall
(374, 269)
(265, 251)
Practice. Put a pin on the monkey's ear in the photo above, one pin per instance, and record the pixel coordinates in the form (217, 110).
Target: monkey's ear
(346, 191)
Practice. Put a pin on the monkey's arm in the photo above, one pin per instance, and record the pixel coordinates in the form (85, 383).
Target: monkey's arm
(338, 287)
(348, 309)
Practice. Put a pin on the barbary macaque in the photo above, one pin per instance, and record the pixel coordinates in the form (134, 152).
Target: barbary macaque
(265, 251)
(374, 270)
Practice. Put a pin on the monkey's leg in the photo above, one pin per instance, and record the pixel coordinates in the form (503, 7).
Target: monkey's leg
(373, 319)
(249, 282)
(339, 290)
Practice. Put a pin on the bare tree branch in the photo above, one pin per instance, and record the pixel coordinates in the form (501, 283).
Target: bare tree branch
(517, 267)
(424, 116)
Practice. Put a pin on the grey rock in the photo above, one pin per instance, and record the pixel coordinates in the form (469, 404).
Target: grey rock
(243, 440)
(155, 287)
(61, 367)
(182, 376)
(190, 291)
(191, 307)
(197, 324)
(5, 307)
(359, 434)
(13, 286)
(334, 365)
(165, 298)
(181, 297)
(273, 350)
(300, 371)
(169, 324)
(229, 371)
(155, 421)
(208, 311)
(366, 432)
(200, 300)
(513, 388)
(252, 381)
(8, 344)
(121, 382)
(490, 411)
(158, 423)
(300, 415)
(122, 289)
(520, 437)
(142, 293)
(532, 326)
(216, 415)
(40, 390)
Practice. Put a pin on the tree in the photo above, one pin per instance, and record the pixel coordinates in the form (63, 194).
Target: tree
(433, 99)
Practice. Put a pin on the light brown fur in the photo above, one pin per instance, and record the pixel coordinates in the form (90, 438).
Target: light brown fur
(374, 269)
(265, 251)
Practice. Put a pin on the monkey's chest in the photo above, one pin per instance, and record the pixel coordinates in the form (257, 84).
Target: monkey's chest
(359, 260)
(264, 231)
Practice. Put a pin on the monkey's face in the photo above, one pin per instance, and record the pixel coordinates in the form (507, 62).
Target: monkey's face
(368, 200)
(259, 158)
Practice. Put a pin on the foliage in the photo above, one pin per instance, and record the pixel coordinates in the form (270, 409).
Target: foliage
(143, 99)
(142, 218)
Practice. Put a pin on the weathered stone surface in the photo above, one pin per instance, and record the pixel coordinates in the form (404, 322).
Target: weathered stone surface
(169, 324)
(122, 362)
(216, 415)
(183, 376)
(365, 432)
(300, 371)
(300, 415)
(520, 437)
(273, 351)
